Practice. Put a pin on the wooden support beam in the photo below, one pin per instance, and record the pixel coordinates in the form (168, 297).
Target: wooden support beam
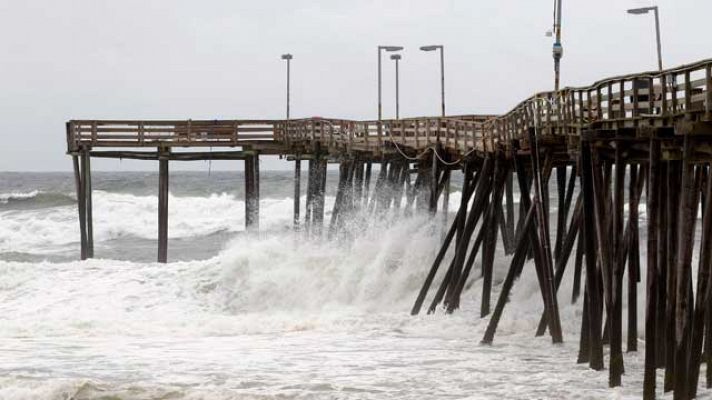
(490, 239)
(162, 210)
(592, 289)
(561, 210)
(651, 304)
(566, 248)
(515, 270)
(635, 182)
(545, 248)
(687, 218)
(704, 289)
(672, 205)
(618, 266)
(311, 184)
(439, 257)
(86, 182)
(509, 204)
(252, 194)
(358, 184)
(297, 189)
(81, 207)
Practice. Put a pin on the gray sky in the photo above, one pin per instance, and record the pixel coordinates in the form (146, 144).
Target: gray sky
(220, 59)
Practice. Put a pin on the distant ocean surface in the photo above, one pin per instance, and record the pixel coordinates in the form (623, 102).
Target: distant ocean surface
(272, 316)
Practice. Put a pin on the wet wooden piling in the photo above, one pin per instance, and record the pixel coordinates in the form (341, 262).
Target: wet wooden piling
(163, 210)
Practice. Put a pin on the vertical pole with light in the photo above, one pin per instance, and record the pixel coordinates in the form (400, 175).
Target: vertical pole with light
(446, 189)
(297, 161)
(397, 58)
(645, 10)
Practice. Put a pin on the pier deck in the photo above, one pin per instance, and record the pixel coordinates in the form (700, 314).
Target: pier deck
(644, 137)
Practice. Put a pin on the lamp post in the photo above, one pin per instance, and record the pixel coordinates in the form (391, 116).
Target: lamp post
(390, 49)
(396, 58)
(297, 161)
(442, 73)
(287, 57)
(645, 10)
(446, 188)
(557, 50)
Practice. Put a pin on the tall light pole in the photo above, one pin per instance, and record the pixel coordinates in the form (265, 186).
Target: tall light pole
(297, 161)
(287, 57)
(442, 72)
(396, 58)
(645, 10)
(557, 50)
(386, 48)
(446, 188)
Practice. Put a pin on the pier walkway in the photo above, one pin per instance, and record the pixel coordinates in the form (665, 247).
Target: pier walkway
(643, 138)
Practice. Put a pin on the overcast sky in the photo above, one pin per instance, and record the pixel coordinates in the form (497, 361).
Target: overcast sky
(142, 59)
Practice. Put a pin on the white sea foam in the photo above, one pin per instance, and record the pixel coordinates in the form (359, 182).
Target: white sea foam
(118, 215)
(271, 316)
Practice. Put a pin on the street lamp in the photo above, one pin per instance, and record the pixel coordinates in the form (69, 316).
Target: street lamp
(645, 10)
(396, 58)
(390, 49)
(557, 50)
(442, 72)
(446, 188)
(297, 161)
(288, 57)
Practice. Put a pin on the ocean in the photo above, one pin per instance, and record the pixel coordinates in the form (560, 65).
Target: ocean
(277, 315)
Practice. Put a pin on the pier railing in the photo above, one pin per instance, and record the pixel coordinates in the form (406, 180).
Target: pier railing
(655, 99)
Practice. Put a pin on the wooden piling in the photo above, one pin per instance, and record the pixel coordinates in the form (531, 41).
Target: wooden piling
(683, 305)
(252, 195)
(297, 189)
(163, 210)
(86, 182)
(590, 252)
(81, 207)
(704, 291)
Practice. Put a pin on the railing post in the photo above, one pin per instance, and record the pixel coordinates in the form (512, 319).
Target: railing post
(663, 96)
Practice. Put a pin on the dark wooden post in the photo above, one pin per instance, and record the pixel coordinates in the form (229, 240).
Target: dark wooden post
(592, 280)
(704, 291)
(435, 172)
(683, 306)
(252, 193)
(311, 183)
(86, 182)
(545, 240)
(163, 207)
(366, 185)
(509, 204)
(651, 305)
(618, 264)
(633, 256)
(81, 207)
(297, 189)
(358, 184)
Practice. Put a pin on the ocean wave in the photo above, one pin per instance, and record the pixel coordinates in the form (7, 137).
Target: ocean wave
(118, 215)
(34, 199)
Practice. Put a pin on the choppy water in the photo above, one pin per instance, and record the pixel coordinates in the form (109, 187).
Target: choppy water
(238, 317)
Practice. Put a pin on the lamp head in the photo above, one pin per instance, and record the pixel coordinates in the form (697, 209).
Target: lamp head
(642, 10)
(395, 57)
(431, 48)
(390, 48)
(286, 56)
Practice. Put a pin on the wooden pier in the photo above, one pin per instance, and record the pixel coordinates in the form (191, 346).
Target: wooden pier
(642, 138)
